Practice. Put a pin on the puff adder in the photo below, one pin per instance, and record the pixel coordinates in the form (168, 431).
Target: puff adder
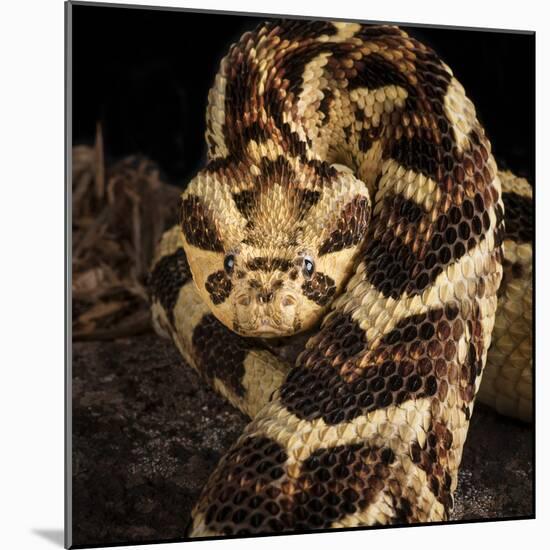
(336, 274)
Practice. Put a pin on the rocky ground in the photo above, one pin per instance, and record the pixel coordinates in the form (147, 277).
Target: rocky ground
(147, 433)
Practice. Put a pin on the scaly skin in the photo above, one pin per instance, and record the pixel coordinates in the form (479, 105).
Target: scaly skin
(348, 181)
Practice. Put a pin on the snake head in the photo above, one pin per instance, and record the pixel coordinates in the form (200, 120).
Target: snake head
(271, 245)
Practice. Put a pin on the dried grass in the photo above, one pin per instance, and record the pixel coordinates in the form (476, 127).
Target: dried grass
(119, 213)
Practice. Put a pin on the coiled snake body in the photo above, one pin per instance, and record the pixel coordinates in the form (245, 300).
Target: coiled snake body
(348, 185)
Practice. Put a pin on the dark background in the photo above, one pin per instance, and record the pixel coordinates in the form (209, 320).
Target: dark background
(145, 74)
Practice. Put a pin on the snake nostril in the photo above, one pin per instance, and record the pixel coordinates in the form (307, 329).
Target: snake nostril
(288, 300)
(244, 300)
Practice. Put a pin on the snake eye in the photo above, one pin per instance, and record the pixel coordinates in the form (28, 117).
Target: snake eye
(308, 267)
(229, 263)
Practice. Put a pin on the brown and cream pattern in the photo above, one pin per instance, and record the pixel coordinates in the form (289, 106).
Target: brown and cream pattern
(350, 192)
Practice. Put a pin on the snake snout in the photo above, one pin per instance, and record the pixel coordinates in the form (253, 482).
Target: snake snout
(266, 310)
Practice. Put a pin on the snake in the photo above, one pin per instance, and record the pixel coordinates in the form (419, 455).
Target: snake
(342, 263)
